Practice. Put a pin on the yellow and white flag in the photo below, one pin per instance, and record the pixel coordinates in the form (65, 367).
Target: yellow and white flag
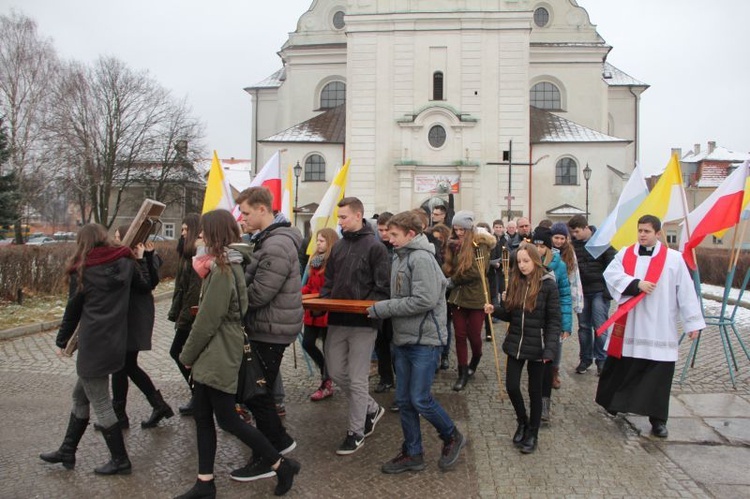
(327, 213)
(287, 208)
(218, 194)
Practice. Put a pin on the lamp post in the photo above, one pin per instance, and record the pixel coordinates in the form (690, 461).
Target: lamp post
(587, 176)
(297, 175)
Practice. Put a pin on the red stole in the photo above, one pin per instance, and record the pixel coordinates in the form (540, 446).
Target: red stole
(620, 317)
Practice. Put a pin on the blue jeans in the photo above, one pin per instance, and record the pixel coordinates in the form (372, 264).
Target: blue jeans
(415, 371)
(595, 313)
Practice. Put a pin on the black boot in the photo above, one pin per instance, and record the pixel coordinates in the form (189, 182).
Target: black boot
(66, 454)
(546, 404)
(119, 463)
(529, 441)
(463, 378)
(161, 410)
(518, 436)
(473, 364)
(285, 475)
(187, 409)
(122, 416)
(201, 490)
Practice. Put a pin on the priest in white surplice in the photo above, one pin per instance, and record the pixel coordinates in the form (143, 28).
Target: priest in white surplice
(653, 289)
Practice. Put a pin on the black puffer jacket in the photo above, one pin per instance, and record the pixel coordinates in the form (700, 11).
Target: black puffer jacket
(534, 335)
(142, 312)
(592, 269)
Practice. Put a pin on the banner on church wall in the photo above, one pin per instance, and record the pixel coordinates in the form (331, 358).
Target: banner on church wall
(437, 184)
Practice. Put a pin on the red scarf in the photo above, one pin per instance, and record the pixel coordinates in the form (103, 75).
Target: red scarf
(99, 255)
(620, 317)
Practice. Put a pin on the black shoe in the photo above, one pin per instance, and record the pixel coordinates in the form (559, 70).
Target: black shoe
(520, 433)
(451, 450)
(404, 462)
(253, 470)
(201, 490)
(383, 387)
(530, 440)
(546, 403)
(351, 444)
(285, 475)
(583, 367)
(445, 362)
(372, 419)
(161, 410)
(394, 407)
(659, 429)
(288, 444)
(473, 365)
(119, 463)
(463, 378)
(488, 338)
(66, 454)
(187, 409)
(599, 367)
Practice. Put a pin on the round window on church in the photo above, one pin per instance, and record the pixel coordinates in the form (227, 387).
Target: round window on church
(338, 20)
(437, 136)
(541, 17)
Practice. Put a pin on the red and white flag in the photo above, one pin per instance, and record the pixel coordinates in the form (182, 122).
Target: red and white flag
(270, 177)
(721, 210)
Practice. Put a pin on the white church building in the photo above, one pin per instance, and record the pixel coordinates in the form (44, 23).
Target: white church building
(504, 103)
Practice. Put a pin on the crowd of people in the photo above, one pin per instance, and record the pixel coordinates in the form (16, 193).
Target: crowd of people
(435, 277)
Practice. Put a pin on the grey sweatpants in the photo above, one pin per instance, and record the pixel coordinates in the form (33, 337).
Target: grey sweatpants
(94, 392)
(347, 352)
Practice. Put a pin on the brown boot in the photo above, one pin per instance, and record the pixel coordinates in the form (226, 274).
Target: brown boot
(556, 383)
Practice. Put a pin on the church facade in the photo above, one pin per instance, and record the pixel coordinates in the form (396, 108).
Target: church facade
(507, 104)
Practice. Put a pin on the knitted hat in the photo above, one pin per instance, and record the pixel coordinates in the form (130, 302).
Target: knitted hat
(463, 219)
(542, 235)
(559, 229)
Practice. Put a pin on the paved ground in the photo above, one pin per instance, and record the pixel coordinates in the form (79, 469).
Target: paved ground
(583, 453)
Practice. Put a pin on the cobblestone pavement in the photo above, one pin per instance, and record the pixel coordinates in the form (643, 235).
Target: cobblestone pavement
(583, 453)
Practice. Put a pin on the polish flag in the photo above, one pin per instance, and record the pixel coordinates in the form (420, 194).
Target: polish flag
(721, 210)
(270, 177)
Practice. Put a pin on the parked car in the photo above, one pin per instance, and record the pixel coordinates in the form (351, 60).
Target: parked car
(39, 240)
(159, 238)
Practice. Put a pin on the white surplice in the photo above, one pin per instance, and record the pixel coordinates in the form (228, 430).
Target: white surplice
(651, 331)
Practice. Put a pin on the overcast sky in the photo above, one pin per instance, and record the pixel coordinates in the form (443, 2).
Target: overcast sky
(693, 54)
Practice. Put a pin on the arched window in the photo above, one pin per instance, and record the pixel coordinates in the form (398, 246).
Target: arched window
(436, 136)
(315, 168)
(541, 17)
(338, 20)
(332, 95)
(566, 172)
(437, 85)
(545, 95)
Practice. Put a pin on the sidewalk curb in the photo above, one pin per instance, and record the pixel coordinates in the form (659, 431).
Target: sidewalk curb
(40, 327)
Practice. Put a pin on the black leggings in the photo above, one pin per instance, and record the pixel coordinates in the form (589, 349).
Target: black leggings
(547, 379)
(133, 371)
(210, 402)
(513, 386)
(309, 338)
(180, 337)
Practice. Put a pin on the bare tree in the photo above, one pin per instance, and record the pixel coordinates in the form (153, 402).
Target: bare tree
(28, 64)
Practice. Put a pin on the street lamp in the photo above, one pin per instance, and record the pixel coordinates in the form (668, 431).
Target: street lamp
(297, 175)
(587, 176)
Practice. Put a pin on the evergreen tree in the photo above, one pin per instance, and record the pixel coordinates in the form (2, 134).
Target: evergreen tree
(8, 183)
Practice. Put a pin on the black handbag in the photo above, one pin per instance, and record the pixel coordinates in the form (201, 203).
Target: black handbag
(252, 377)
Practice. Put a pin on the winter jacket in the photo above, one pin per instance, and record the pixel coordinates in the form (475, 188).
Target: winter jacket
(358, 269)
(315, 280)
(214, 348)
(558, 267)
(534, 335)
(274, 286)
(100, 311)
(468, 290)
(187, 290)
(592, 269)
(417, 305)
(142, 312)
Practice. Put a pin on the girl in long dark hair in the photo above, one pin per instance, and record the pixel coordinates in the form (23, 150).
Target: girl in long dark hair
(101, 275)
(187, 289)
(531, 305)
(213, 353)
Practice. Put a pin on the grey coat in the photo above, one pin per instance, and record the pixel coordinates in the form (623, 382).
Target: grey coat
(274, 287)
(417, 305)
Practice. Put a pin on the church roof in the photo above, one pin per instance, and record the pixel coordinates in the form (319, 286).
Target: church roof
(565, 210)
(547, 127)
(615, 77)
(273, 81)
(329, 127)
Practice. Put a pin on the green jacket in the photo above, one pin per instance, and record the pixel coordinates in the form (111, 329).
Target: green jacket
(214, 348)
(467, 289)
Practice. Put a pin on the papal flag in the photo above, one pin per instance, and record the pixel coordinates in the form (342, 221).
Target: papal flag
(327, 213)
(270, 177)
(218, 194)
